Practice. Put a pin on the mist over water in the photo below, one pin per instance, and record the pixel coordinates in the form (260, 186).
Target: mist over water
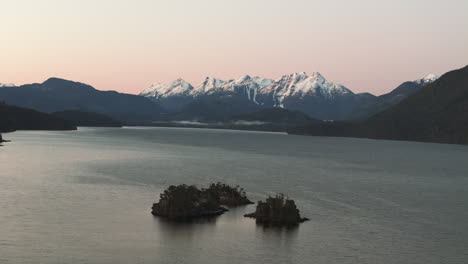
(85, 197)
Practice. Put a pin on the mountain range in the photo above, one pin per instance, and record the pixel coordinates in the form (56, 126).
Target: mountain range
(428, 109)
(311, 94)
(214, 100)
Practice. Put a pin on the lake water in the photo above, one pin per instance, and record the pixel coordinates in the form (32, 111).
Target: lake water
(85, 197)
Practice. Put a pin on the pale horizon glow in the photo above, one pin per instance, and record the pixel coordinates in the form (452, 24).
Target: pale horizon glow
(123, 45)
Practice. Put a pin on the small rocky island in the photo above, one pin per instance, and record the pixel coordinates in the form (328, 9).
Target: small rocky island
(278, 211)
(185, 202)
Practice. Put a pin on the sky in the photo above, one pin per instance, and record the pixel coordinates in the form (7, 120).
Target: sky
(125, 45)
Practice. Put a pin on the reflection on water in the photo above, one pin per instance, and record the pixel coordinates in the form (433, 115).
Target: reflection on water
(284, 236)
(277, 229)
(184, 230)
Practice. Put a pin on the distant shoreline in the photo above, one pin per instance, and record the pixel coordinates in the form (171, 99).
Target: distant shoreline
(266, 127)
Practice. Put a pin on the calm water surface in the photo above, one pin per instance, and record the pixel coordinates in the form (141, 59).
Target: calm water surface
(85, 197)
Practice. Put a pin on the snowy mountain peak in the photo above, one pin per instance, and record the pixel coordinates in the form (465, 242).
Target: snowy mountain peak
(210, 83)
(7, 85)
(244, 78)
(428, 79)
(176, 87)
(298, 75)
(431, 77)
(318, 76)
(262, 82)
(153, 87)
(181, 82)
(300, 84)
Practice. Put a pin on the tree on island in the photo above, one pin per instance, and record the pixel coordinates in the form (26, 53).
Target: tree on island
(277, 210)
(229, 196)
(187, 201)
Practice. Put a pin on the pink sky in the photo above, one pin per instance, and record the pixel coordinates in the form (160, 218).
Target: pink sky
(127, 45)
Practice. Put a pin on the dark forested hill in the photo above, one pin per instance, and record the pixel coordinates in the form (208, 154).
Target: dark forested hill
(80, 118)
(58, 95)
(436, 113)
(383, 102)
(16, 118)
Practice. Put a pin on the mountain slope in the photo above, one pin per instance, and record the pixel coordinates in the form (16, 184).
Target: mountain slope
(16, 118)
(58, 95)
(436, 113)
(89, 119)
(214, 109)
(385, 101)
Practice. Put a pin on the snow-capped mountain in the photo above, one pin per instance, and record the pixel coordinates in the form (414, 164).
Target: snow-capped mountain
(178, 87)
(428, 79)
(297, 84)
(302, 85)
(173, 96)
(312, 94)
(245, 86)
(7, 85)
(209, 85)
